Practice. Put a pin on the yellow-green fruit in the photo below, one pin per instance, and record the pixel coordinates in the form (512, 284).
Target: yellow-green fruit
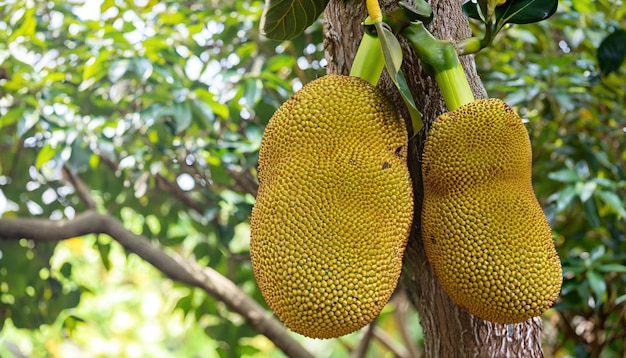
(334, 207)
(485, 235)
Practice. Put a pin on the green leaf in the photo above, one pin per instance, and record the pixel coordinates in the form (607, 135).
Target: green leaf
(591, 212)
(612, 51)
(597, 284)
(252, 91)
(28, 121)
(204, 110)
(45, 154)
(574, 269)
(279, 62)
(585, 190)
(119, 68)
(180, 113)
(612, 200)
(27, 27)
(564, 176)
(612, 268)
(515, 11)
(585, 6)
(471, 10)
(392, 52)
(565, 197)
(80, 155)
(286, 19)
(11, 116)
(526, 11)
(96, 67)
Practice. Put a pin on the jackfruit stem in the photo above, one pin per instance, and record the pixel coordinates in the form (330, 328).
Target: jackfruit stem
(369, 60)
(442, 62)
(373, 9)
(454, 87)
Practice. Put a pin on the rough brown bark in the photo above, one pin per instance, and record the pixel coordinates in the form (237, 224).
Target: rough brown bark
(449, 331)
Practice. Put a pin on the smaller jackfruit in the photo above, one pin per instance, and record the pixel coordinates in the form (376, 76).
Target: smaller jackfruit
(484, 233)
(334, 207)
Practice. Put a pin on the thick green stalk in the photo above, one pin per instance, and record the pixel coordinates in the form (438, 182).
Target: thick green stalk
(441, 61)
(454, 87)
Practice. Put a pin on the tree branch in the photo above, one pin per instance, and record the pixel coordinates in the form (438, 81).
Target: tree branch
(368, 333)
(172, 265)
(388, 341)
(172, 187)
(82, 190)
(401, 314)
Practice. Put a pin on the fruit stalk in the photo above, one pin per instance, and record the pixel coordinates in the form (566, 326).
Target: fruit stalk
(373, 9)
(442, 62)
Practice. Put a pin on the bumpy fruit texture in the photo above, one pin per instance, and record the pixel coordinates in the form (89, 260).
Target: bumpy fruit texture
(484, 232)
(334, 207)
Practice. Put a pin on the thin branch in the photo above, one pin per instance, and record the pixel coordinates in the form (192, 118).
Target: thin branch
(244, 181)
(82, 190)
(388, 341)
(181, 195)
(361, 349)
(172, 265)
(401, 314)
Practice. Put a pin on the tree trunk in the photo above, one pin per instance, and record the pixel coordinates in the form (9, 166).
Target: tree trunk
(449, 331)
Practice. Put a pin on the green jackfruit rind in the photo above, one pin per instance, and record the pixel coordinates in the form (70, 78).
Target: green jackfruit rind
(485, 235)
(334, 207)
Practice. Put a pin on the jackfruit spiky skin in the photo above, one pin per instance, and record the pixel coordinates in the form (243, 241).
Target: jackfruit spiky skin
(334, 207)
(484, 233)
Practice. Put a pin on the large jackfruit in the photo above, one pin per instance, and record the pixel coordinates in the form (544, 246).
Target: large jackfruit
(334, 207)
(484, 232)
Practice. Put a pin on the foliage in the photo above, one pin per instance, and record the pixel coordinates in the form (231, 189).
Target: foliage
(160, 106)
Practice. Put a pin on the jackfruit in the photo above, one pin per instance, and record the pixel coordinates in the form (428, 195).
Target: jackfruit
(334, 207)
(485, 235)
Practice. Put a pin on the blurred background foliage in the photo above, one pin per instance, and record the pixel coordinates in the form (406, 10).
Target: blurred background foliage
(159, 106)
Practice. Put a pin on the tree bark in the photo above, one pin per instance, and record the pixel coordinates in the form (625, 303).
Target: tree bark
(449, 331)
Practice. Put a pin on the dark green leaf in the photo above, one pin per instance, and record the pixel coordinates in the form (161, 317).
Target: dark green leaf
(286, 19)
(471, 10)
(181, 114)
(526, 11)
(612, 51)
(515, 11)
(597, 284)
(591, 212)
